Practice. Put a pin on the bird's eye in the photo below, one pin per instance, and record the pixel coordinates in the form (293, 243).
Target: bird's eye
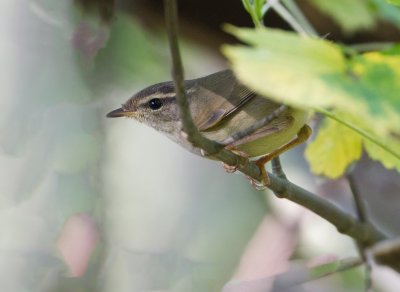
(155, 103)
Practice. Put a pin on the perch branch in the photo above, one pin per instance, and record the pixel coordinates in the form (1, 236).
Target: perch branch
(365, 233)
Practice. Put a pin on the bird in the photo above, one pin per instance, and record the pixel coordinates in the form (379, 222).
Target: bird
(220, 107)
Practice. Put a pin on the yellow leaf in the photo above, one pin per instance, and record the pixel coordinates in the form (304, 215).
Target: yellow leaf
(334, 148)
(386, 158)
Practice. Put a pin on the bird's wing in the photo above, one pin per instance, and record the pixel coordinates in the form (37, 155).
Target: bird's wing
(223, 95)
(275, 126)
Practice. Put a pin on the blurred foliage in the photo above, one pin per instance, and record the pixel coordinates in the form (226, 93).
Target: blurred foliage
(352, 16)
(131, 54)
(393, 2)
(386, 12)
(356, 15)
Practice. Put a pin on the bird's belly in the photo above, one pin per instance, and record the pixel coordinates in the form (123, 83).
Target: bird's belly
(273, 141)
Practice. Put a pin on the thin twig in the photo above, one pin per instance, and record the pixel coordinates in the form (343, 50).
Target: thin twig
(268, 5)
(366, 233)
(171, 15)
(289, 280)
(345, 223)
(188, 126)
(298, 14)
(288, 17)
(360, 206)
(363, 217)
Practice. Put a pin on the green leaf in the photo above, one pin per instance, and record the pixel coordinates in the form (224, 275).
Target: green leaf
(351, 15)
(314, 74)
(377, 86)
(333, 150)
(278, 59)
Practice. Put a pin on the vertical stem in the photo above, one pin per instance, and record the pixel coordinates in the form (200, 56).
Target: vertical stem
(360, 206)
(363, 217)
(171, 18)
(189, 128)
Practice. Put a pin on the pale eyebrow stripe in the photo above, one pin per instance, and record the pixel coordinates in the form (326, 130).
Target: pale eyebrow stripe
(169, 94)
(162, 95)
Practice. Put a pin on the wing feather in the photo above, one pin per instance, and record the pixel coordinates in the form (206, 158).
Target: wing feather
(224, 97)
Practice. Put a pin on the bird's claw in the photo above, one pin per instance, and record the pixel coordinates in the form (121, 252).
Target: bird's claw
(230, 168)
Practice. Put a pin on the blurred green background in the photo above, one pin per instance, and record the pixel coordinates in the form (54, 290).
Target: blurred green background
(91, 204)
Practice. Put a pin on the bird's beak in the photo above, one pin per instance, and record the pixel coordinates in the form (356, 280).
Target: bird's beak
(119, 112)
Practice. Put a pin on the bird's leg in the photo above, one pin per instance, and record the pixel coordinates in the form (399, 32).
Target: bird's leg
(302, 136)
